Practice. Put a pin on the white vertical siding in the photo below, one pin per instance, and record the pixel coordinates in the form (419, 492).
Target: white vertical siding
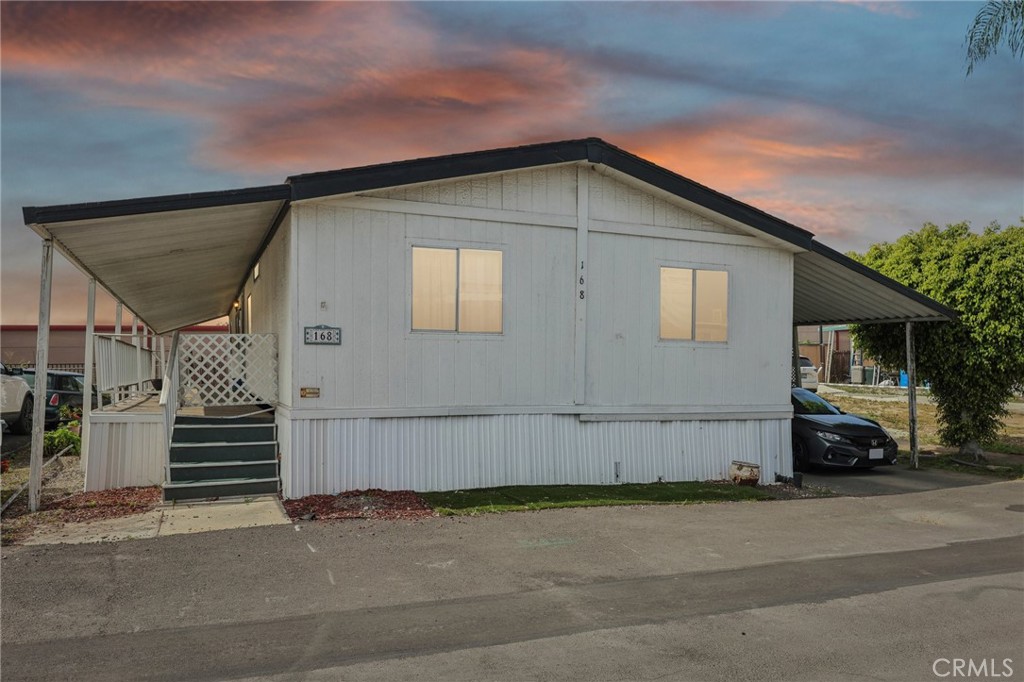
(611, 199)
(351, 265)
(272, 302)
(354, 273)
(448, 453)
(127, 451)
(539, 190)
(628, 365)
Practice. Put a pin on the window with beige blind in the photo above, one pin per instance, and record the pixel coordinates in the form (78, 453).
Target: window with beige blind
(694, 305)
(456, 290)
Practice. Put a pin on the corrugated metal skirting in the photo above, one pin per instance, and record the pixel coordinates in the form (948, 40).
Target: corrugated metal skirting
(125, 454)
(448, 453)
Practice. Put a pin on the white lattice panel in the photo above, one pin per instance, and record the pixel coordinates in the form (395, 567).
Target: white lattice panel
(227, 369)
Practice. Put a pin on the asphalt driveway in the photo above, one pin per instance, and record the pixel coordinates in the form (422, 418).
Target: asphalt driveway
(890, 480)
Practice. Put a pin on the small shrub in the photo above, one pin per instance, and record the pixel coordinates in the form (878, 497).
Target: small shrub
(58, 439)
(69, 412)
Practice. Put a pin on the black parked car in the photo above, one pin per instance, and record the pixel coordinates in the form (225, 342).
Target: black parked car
(62, 388)
(823, 434)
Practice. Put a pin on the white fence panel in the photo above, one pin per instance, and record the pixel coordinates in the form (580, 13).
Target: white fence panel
(227, 369)
(125, 450)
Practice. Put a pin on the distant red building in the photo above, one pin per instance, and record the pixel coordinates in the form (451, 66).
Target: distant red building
(67, 342)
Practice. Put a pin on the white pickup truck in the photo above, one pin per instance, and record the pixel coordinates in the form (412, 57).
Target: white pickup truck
(15, 400)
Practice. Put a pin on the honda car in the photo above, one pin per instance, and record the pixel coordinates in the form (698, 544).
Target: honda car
(825, 435)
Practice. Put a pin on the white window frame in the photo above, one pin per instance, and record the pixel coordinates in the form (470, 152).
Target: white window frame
(457, 246)
(694, 268)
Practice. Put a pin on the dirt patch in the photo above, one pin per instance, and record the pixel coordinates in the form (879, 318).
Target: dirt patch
(893, 415)
(788, 491)
(62, 501)
(359, 504)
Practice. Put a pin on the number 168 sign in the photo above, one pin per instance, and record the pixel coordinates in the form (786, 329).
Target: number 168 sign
(323, 335)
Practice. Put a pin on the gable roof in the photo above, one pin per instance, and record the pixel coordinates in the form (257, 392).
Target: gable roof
(75, 227)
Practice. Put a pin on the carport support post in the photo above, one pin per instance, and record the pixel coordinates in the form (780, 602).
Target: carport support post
(798, 380)
(912, 392)
(137, 342)
(90, 331)
(35, 476)
(118, 314)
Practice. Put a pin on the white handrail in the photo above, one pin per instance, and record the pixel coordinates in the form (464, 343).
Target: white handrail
(169, 401)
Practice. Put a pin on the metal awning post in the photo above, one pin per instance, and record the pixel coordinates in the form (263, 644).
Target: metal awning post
(35, 477)
(798, 380)
(118, 316)
(912, 392)
(137, 342)
(90, 331)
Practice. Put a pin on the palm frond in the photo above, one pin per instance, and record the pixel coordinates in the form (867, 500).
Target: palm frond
(998, 22)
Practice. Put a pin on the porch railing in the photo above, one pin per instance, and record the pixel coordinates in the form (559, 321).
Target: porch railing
(227, 369)
(121, 368)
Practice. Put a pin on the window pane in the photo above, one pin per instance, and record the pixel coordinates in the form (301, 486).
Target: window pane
(479, 291)
(433, 289)
(712, 305)
(676, 303)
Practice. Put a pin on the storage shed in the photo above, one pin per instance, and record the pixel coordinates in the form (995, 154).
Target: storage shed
(556, 313)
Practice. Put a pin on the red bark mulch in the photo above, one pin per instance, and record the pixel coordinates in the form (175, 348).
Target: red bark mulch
(19, 522)
(359, 504)
(106, 504)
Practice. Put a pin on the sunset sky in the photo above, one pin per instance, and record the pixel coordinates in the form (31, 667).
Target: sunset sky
(853, 120)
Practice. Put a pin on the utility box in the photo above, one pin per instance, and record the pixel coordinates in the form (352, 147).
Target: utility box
(745, 473)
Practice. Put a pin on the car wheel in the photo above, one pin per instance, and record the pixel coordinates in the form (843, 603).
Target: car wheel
(24, 423)
(800, 462)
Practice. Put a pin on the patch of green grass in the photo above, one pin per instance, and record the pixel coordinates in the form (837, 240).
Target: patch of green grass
(1007, 445)
(522, 498)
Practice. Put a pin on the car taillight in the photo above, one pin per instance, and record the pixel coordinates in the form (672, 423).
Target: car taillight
(54, 400)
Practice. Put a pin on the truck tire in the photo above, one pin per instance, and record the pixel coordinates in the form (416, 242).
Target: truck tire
(24, 424)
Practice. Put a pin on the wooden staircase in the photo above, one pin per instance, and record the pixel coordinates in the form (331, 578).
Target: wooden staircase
(214, 457)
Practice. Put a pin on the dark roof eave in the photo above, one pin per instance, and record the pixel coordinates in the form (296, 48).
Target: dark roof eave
(328, 183)
(38, 215)
(430, 169)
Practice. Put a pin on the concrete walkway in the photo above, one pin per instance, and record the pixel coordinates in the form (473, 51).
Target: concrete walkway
(169, 519)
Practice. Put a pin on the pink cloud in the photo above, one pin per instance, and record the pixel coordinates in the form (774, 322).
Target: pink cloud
(886, 7)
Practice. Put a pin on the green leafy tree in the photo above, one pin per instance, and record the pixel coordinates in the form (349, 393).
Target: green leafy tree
(975, 362)
(999, 21)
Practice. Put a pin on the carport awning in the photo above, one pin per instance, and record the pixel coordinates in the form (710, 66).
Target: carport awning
(174, 260)
(830, 288)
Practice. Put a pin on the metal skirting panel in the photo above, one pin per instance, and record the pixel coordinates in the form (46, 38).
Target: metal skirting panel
(122, 454)
(446, 453)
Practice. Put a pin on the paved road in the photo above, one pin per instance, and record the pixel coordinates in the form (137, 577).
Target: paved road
(11, 442)
(817, 589)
